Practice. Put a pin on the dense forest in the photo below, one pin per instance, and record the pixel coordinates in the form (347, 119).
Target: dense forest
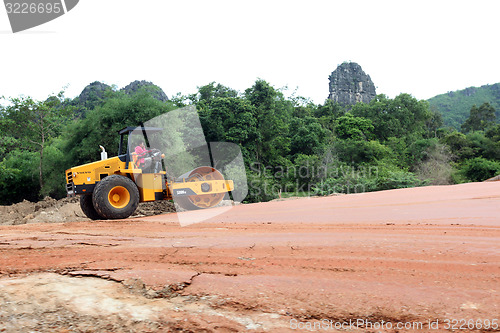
(291, 146)
(455, 105)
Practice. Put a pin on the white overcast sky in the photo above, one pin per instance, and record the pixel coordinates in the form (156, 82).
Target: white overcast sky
(420, 47)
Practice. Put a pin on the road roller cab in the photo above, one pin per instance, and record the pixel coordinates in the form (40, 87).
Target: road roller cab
(113, 187)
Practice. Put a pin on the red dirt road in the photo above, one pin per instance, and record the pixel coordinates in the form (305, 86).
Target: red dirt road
(402, 257)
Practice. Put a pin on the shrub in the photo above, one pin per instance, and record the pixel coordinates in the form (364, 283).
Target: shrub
(436, 167)
(479, 169)
(367, 178)
(18, 177)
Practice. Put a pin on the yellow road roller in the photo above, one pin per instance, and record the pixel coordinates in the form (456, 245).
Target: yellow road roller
(112, 188)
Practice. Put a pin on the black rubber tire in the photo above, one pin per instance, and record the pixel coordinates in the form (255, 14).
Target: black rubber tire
(88, 208)
(104, 207)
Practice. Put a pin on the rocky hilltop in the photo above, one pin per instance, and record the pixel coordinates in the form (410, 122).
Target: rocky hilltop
(349, 84)
(154, 90)
(96, 91)
(93, 93)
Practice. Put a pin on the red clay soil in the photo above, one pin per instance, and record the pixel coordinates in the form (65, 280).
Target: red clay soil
(393, 261)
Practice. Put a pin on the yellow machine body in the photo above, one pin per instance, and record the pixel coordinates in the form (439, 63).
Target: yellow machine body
(113, 187)
(81, 180)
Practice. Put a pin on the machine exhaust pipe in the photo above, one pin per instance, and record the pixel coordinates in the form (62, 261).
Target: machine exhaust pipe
(104, 154)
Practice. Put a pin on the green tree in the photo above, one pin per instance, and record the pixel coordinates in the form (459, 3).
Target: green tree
(307, 171)
(180, 100)
(351, 127)
(261, 185)
(480, 118)
(494, 133)
(361, 152)
(54, 166)
(330, 109)
(418, 151)
(479, 169)
(34, 123)
(18, 177)
(433, 123)
(403, 116)
(459, 145)
(7, 142)
(230, 119)
(327, 115)
(306, 136)
(101, 125)
(273, 112)
(493, 146)
(211, 91)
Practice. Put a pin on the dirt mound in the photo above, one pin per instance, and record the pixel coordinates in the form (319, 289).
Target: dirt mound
(50, 210)
(154, 208)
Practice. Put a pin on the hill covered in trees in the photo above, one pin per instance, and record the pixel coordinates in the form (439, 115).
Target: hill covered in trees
(455, 105)
(96, 92)
(289, 144)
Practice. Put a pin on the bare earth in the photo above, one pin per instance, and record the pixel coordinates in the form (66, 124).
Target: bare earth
(409, 257)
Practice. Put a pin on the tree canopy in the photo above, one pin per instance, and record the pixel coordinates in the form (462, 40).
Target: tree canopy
(290, 145)
(480, 118)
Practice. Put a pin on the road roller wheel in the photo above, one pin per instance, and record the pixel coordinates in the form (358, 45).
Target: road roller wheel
(115, 197)
(88, 208)
(202, 201)
(195, 202)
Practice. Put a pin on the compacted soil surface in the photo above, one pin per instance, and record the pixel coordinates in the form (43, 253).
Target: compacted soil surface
(410, 260)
